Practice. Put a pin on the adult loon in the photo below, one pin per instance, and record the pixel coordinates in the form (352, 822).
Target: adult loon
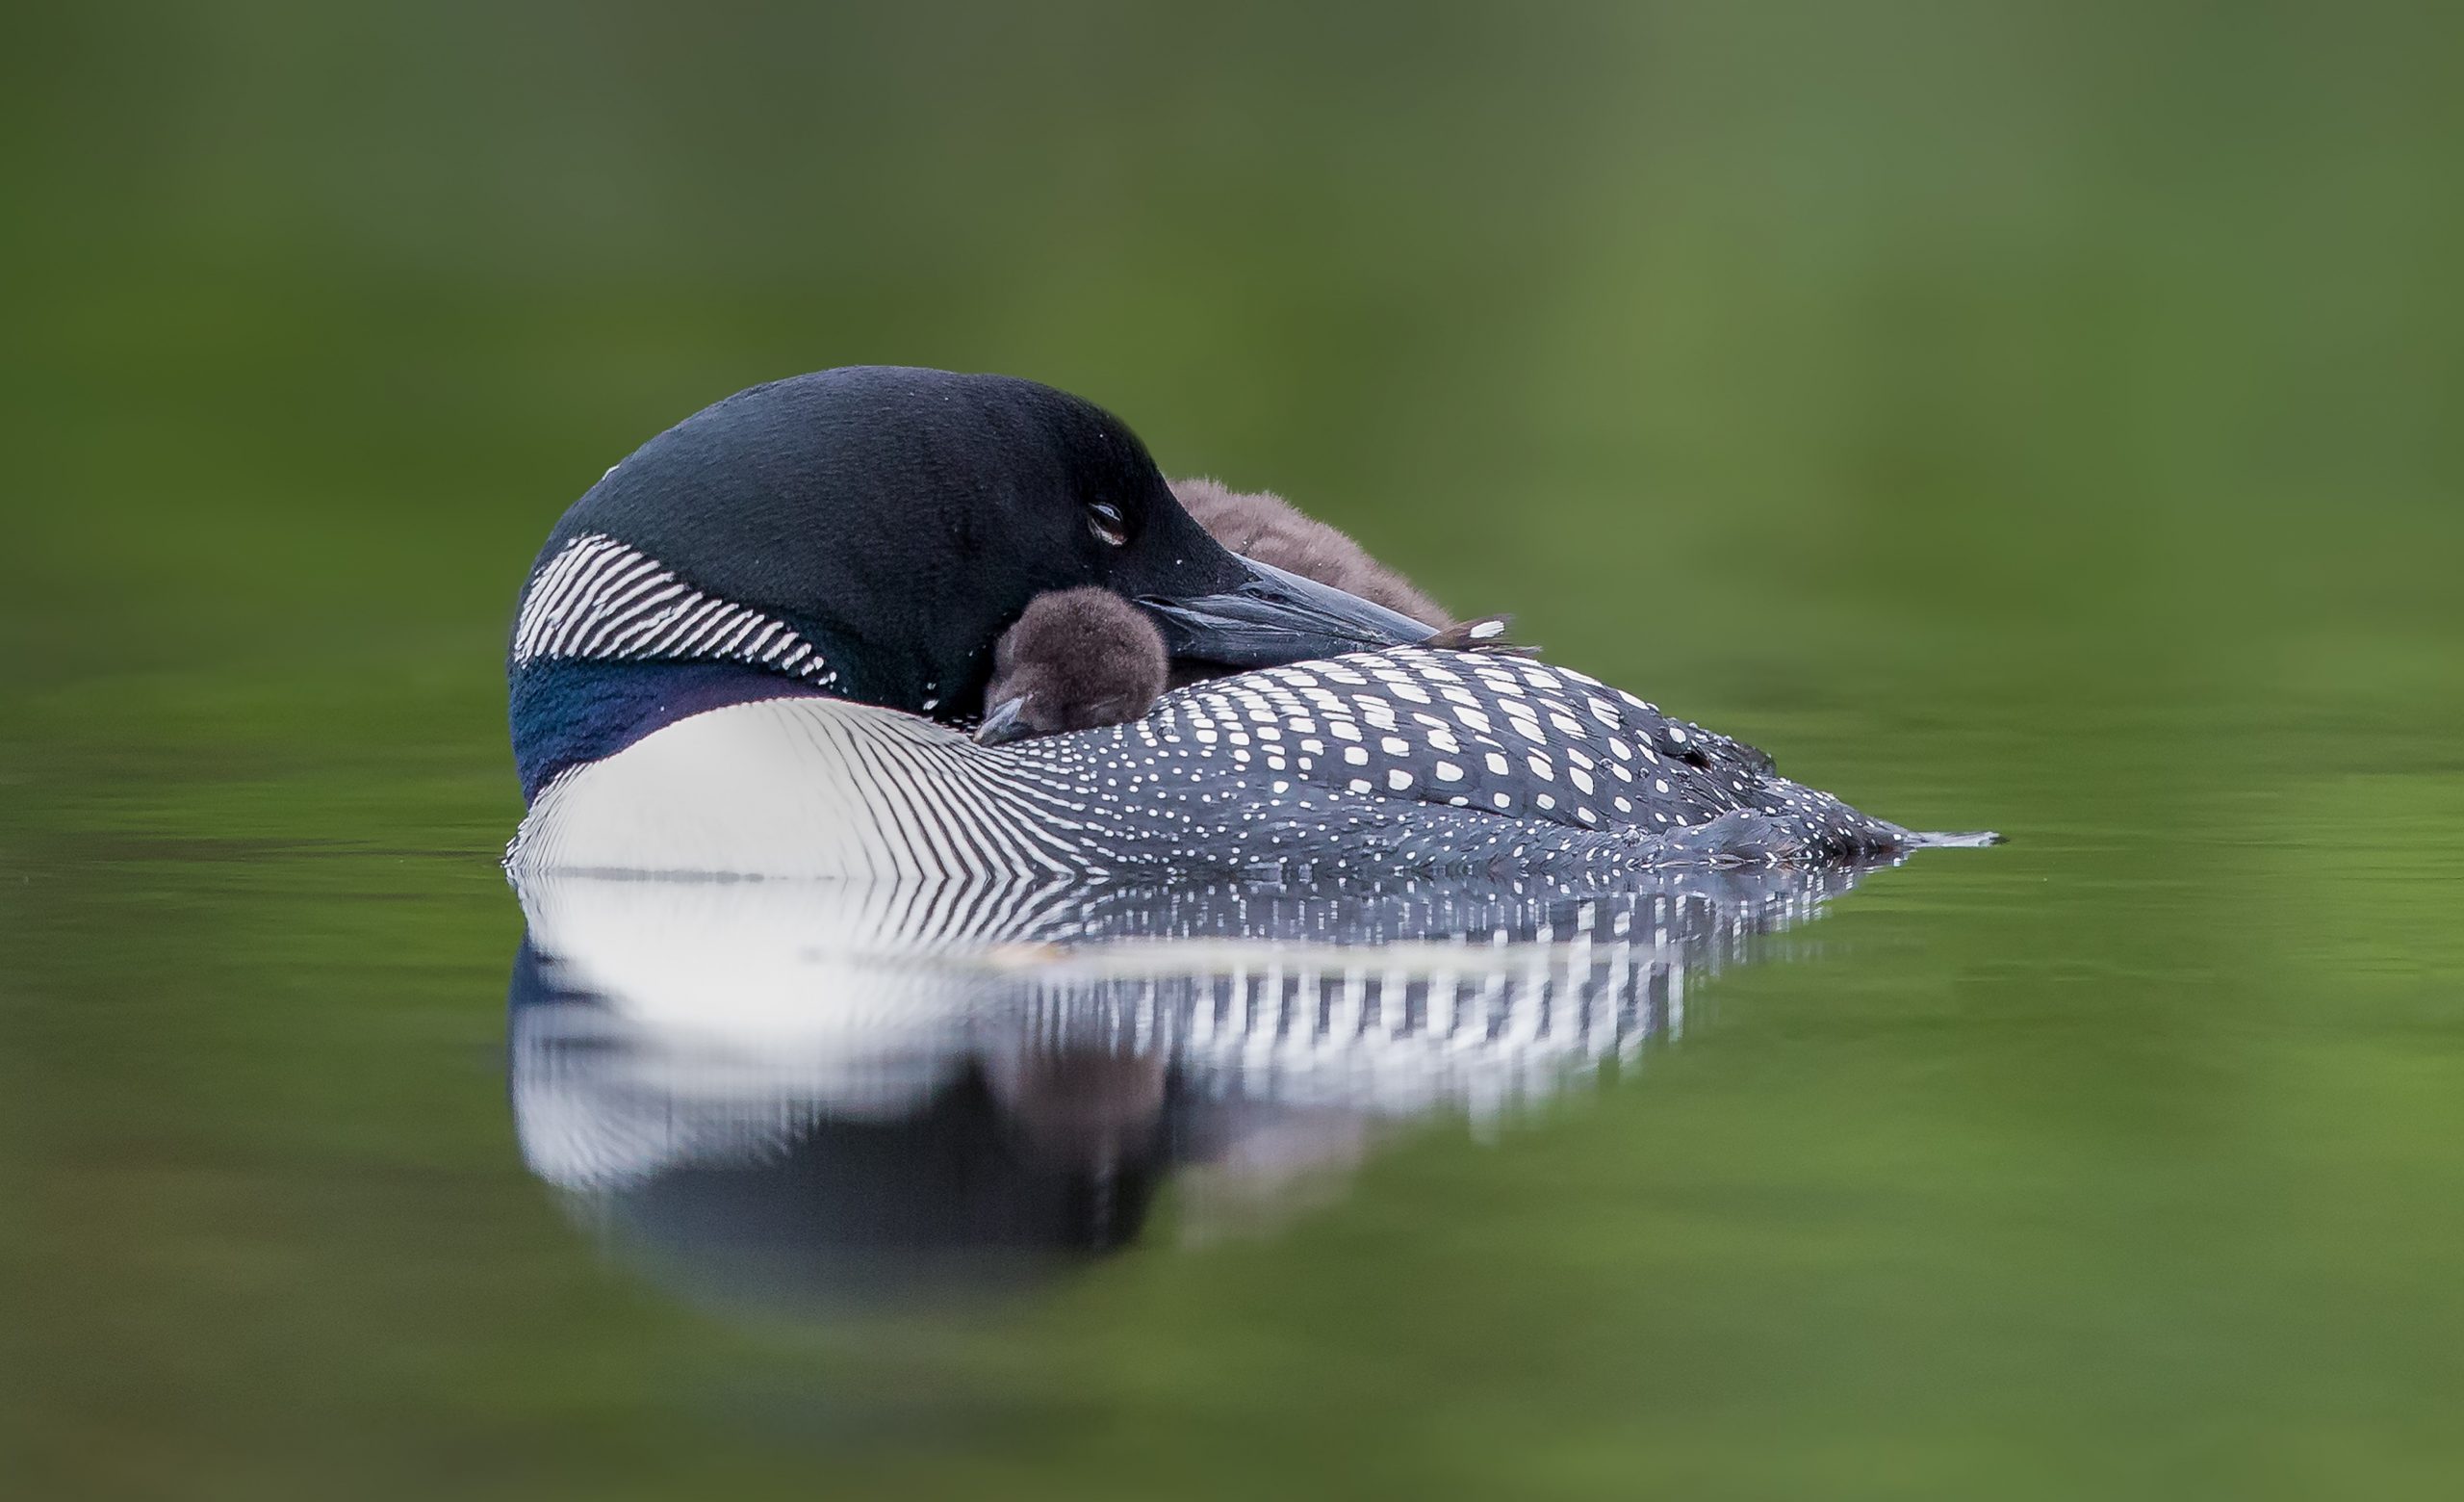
(727, 655)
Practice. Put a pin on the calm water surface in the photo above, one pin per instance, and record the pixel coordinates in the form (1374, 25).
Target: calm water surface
(2123, 1151)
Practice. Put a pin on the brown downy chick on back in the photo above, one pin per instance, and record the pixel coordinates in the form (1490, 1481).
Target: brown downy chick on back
(1261, 525)
(1264, 525)
(1076, 660)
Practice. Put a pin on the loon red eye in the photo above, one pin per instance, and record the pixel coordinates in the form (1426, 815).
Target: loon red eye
(1104, 520)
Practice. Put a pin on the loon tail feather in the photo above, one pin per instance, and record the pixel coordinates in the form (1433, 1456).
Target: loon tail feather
(1751, 837)
(1956, 839)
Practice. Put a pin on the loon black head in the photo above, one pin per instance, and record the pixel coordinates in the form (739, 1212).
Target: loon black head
(868, 533)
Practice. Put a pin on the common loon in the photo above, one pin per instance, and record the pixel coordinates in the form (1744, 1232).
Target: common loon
(727, 654)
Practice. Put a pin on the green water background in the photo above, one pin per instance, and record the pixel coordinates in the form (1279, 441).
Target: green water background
(2043, 416)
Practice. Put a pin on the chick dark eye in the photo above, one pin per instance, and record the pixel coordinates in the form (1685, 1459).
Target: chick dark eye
(1104, 520)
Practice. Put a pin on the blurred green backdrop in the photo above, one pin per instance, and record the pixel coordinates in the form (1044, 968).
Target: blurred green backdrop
(2037, 416)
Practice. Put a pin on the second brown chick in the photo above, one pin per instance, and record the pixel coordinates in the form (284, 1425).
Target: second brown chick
(1264, 525)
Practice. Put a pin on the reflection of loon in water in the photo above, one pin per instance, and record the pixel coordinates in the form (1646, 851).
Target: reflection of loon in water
(824, 1092)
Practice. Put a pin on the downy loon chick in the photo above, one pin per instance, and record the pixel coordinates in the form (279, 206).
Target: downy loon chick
(1076, 660)
(726, 655)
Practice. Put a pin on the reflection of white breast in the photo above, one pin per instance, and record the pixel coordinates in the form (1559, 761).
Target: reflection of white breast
(710, 1018)
(711, 1021)
(767, 962)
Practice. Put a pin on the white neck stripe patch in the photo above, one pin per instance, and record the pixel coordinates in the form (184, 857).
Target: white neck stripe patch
(599, 600)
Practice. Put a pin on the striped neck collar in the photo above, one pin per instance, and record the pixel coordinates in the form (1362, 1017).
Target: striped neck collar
(610, 644)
